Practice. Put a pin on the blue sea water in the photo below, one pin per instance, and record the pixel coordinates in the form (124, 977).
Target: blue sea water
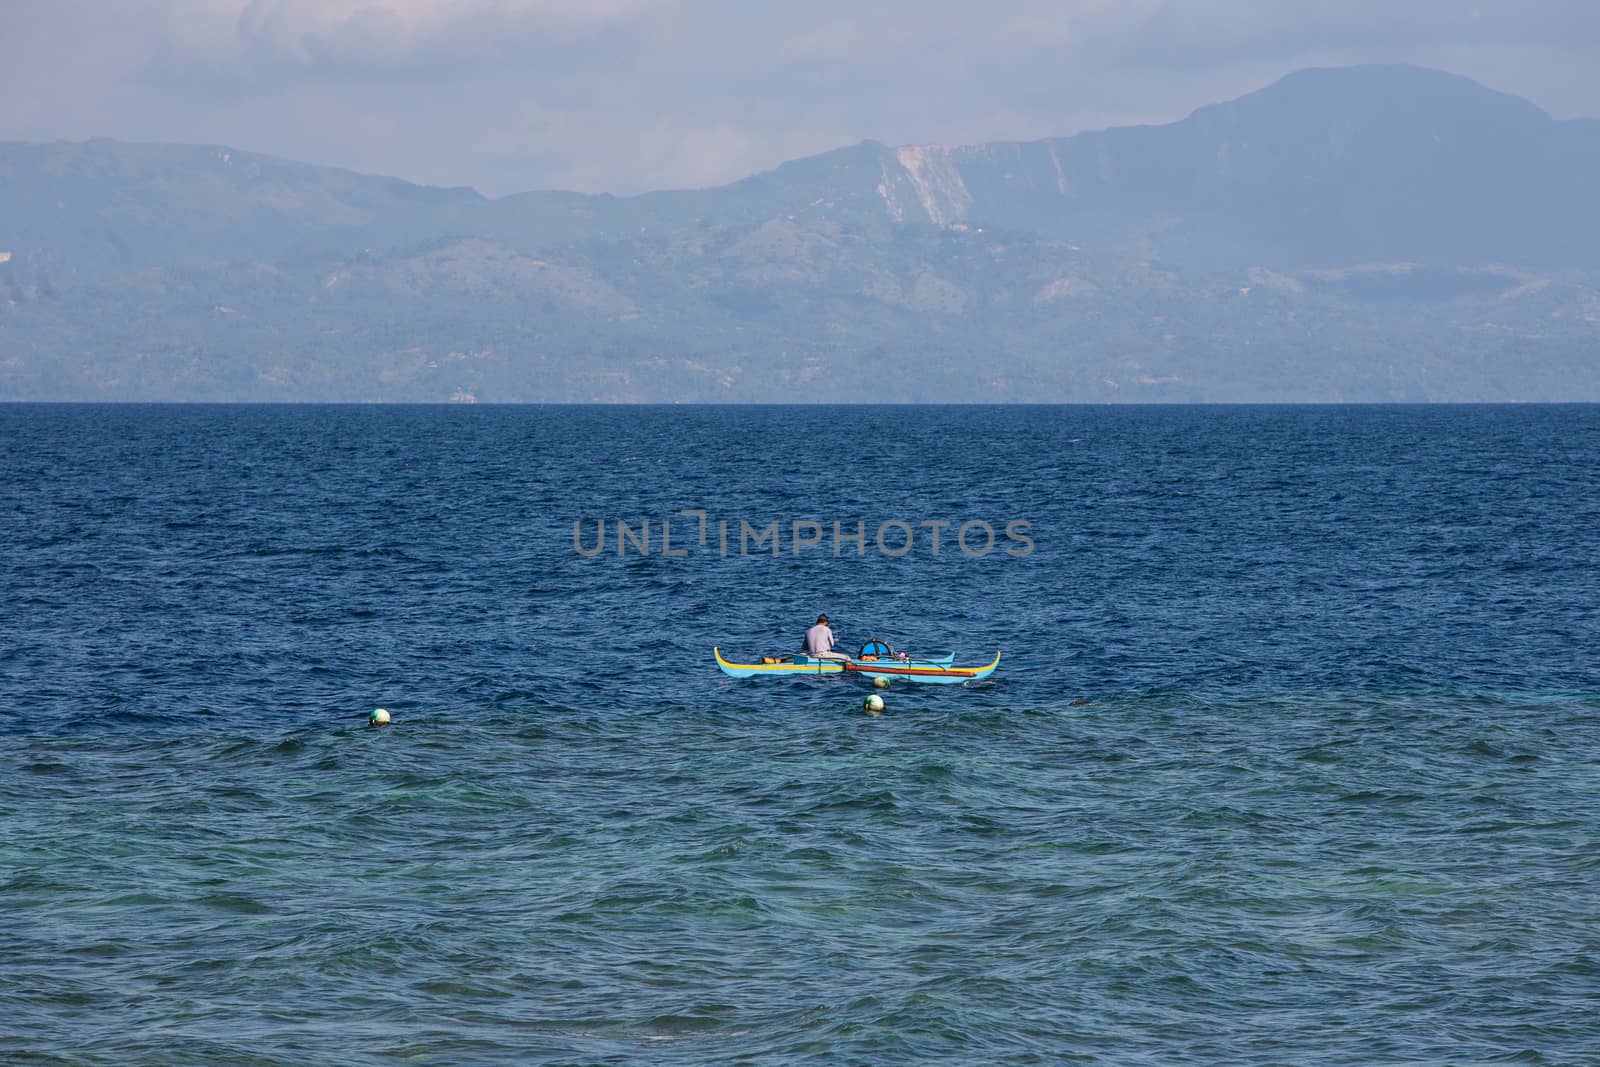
(1292, 756)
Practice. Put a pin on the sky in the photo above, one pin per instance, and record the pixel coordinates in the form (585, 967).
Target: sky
(624, 96)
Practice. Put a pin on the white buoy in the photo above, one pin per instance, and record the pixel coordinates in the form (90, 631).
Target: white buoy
(379, 717)
(880, 682)
(873, 705)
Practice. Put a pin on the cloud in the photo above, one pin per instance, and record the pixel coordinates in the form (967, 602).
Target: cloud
(268, 45)
(1178, 36)
(626, 95)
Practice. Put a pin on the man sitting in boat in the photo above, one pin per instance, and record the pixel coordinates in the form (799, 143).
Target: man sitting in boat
(819, 640)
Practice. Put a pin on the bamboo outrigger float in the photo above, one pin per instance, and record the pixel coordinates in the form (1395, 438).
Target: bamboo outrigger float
(875, 660)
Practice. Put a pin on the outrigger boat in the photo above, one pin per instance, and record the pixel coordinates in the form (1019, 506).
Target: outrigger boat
(875, 660)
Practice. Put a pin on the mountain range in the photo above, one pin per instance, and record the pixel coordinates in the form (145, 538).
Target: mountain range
(1356, 234)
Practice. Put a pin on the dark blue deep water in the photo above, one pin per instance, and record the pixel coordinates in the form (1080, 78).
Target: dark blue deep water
(1293, 755)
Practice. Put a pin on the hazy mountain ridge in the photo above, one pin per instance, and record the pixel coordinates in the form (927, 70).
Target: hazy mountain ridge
(1364, 234)
(1370, 164)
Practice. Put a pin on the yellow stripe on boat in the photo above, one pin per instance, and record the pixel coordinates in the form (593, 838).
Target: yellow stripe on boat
(765, 668)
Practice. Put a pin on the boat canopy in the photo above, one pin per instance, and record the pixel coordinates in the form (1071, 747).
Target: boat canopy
(877, 648)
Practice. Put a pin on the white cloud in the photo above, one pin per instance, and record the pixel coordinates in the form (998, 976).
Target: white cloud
(261, 45)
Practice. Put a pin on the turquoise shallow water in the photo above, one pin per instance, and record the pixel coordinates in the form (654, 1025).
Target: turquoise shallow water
(1291, 757)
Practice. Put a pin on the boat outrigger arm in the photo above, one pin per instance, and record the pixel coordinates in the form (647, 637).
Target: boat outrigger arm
(877, 664)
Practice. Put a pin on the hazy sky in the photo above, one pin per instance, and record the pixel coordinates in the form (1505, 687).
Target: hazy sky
(627, 95)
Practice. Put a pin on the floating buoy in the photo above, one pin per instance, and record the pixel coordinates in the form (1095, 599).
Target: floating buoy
(880, 682)
(873, 705)
(379, 717)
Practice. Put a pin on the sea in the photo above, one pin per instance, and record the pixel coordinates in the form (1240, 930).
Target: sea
(1292, 755)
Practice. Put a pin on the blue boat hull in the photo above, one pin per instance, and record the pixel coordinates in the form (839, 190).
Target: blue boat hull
(939, 671)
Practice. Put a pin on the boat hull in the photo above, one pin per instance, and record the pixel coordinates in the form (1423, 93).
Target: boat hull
(798, 665)
(923, 672)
